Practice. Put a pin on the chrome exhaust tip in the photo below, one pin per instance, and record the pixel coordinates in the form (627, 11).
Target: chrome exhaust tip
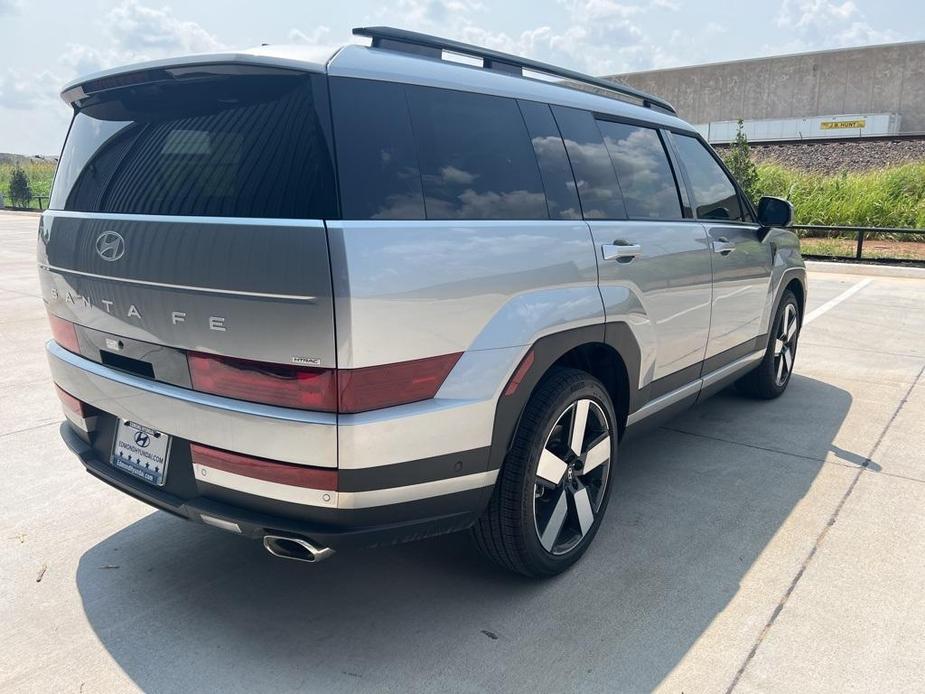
(295, 548)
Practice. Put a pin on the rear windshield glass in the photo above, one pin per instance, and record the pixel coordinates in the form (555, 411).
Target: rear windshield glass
(235, 146)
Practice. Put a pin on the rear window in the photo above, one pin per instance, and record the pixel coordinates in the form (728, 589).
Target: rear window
(594, 173)
(236, 146)
(648, 185)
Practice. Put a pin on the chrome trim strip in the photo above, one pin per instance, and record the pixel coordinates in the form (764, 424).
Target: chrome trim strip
(738, 364)
(276, 433)
(692, 388)
(342, 500)
(666, 400)
(187, 219)
(219, 523)
(182, 287)
(264, 488)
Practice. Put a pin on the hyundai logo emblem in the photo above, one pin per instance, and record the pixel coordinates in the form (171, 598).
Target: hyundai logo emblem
(110, 245)
(141, 439)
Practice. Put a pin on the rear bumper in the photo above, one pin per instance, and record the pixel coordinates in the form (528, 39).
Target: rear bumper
(255, 517)
(383, 504)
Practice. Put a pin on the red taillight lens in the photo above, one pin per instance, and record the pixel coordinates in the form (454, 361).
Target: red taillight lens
(76, 406)
(393, 384)
(262, 469)
(271, 384)
(64, 333)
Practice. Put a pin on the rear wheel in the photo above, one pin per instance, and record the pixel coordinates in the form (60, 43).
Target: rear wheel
(554, 485)
(770, 378)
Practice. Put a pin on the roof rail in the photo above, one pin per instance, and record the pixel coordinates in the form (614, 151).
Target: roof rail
(432, 46)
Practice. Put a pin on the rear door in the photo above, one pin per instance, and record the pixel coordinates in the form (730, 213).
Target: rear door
(741, 262)
(654, 266)
(187, 212)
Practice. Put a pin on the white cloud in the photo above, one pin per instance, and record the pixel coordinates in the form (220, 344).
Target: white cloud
(600, 36)
(26, 91)
(828, 24)
(319, 41)
(134, 32)
(10, 7)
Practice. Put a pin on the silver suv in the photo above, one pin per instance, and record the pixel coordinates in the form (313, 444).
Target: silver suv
(397, 294)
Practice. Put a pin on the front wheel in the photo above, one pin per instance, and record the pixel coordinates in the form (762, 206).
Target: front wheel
(770, 378)
(554, 485)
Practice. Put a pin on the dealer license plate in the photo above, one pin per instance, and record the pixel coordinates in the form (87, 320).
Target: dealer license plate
(141, 451)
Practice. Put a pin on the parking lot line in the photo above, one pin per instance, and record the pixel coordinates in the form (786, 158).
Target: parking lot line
(832, 303)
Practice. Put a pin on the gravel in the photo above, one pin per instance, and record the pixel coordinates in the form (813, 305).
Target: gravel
(828, 157)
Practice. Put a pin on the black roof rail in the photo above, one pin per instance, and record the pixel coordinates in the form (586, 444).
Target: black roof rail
(433, 46)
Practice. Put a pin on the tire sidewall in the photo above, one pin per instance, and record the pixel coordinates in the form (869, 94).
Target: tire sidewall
(579, 386)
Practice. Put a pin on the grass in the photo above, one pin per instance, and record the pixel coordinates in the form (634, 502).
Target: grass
(40, 175)
(892, 197)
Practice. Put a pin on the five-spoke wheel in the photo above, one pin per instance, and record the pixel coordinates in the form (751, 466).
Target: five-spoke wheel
(571, 476)
(553, 487)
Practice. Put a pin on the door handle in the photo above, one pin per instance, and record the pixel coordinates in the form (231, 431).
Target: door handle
(621, 252)
(723, 246)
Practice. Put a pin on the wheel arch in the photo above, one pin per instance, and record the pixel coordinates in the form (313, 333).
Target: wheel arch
(609, 352)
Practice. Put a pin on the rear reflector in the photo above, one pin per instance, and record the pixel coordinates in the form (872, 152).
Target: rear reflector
(393, 384)
(266, 470)
(64, 333)
(78, 407)
(518, 376)
(271, 384)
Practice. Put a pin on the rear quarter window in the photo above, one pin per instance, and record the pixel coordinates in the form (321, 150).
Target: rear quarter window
(376, 157)
(475, 156)
(235, 146)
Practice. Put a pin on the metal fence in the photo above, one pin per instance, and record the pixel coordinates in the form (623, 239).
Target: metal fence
(824, 241)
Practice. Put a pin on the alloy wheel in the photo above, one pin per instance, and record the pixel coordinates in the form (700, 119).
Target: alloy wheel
(785, 345)
(571, 476)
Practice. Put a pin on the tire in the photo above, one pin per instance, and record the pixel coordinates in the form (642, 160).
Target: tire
(549, 499)
(769, 379)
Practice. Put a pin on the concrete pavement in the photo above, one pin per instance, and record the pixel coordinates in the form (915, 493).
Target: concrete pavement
(749, 546)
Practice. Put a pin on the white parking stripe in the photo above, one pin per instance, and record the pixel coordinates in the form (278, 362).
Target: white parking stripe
(832, 303)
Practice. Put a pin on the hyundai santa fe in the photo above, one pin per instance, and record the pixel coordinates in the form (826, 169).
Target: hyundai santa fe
(396, 294)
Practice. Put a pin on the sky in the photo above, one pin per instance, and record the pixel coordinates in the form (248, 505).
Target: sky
(45, 44)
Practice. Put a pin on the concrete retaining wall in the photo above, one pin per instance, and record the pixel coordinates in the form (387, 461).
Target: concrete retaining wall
(873, 79)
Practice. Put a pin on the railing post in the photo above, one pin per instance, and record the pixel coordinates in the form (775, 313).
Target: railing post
(857, 255)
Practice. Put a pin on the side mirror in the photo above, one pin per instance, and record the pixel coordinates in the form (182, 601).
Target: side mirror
(774, 212)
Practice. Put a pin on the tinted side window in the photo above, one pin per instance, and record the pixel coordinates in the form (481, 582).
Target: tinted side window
(475, 156)
(597, 183)
(376, 158)
(243, 146)
(714, 195)
(561, 193)
(649, 189)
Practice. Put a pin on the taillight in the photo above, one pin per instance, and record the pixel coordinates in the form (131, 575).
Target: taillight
(325, 390)
(271, 384)
(76, 406)
(262, 469)
(393, 384)
(64, 333)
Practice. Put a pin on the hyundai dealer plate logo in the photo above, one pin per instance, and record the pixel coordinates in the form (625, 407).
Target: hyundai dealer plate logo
(141, 439)
(110, 245)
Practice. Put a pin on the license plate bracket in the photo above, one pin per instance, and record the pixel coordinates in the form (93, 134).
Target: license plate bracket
(141, 451)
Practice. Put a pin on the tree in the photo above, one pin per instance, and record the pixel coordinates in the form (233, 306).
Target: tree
(20, 190)
(739, 161)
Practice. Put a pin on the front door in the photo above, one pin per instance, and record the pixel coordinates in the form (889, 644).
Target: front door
(741, 261)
